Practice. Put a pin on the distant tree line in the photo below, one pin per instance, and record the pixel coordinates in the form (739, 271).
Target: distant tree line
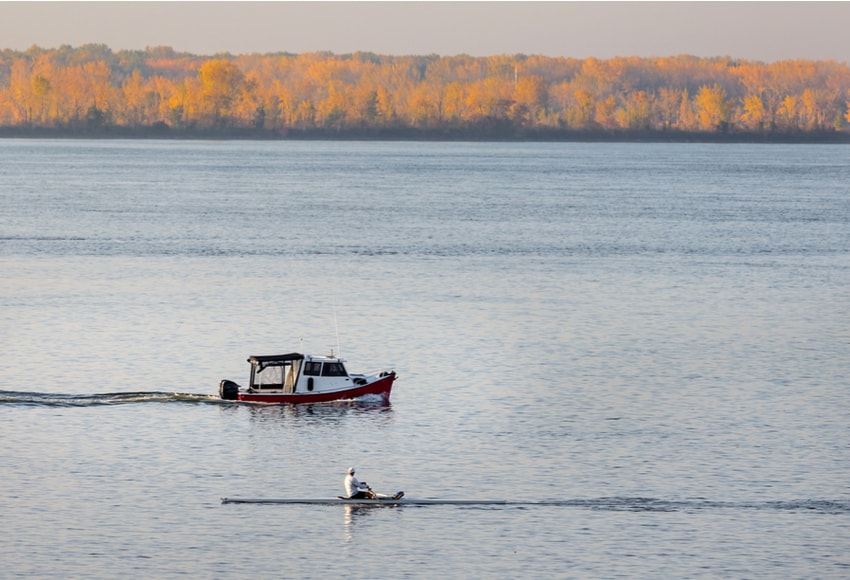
(156, 91)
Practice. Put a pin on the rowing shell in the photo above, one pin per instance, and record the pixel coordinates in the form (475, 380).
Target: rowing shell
(387, 501)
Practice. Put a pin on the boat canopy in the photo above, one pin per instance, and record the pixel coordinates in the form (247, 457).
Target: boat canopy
(275, 360)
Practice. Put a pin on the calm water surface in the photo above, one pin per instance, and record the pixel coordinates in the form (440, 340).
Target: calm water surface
(655, 337)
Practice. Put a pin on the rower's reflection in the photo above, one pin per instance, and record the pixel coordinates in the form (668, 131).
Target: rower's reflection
(353, 513)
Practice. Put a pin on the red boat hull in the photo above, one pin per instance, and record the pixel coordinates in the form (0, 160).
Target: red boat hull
(381, 387)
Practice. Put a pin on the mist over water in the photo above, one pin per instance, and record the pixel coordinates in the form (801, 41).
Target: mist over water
(652, 339)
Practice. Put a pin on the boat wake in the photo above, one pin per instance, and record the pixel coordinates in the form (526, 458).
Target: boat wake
(370, 399)
(29, 399)
(643, 504)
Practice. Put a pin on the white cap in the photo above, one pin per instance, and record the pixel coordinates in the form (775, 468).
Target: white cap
(350, 470)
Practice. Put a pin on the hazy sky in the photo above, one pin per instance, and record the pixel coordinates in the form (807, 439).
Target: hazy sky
(766, 31)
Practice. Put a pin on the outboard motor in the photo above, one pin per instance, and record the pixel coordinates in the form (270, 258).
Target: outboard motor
(228, 390)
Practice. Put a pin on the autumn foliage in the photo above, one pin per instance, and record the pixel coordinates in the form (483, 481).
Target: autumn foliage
(94, 88)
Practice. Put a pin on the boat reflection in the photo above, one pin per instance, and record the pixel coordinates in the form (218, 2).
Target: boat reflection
(324, 414)
(320, 410)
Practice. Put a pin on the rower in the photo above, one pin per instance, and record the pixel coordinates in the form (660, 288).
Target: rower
(356, 489)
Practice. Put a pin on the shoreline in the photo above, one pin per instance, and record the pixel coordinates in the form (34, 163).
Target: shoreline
(432, 135)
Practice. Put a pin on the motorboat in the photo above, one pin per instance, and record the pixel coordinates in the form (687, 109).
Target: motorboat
(303, 378)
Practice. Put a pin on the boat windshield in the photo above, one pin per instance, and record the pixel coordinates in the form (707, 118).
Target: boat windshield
(327, 369)
(333, 369)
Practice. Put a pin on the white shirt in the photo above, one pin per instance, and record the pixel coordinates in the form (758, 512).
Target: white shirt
(353, 485)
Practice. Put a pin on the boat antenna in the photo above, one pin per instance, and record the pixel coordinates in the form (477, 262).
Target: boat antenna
(336, 325)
